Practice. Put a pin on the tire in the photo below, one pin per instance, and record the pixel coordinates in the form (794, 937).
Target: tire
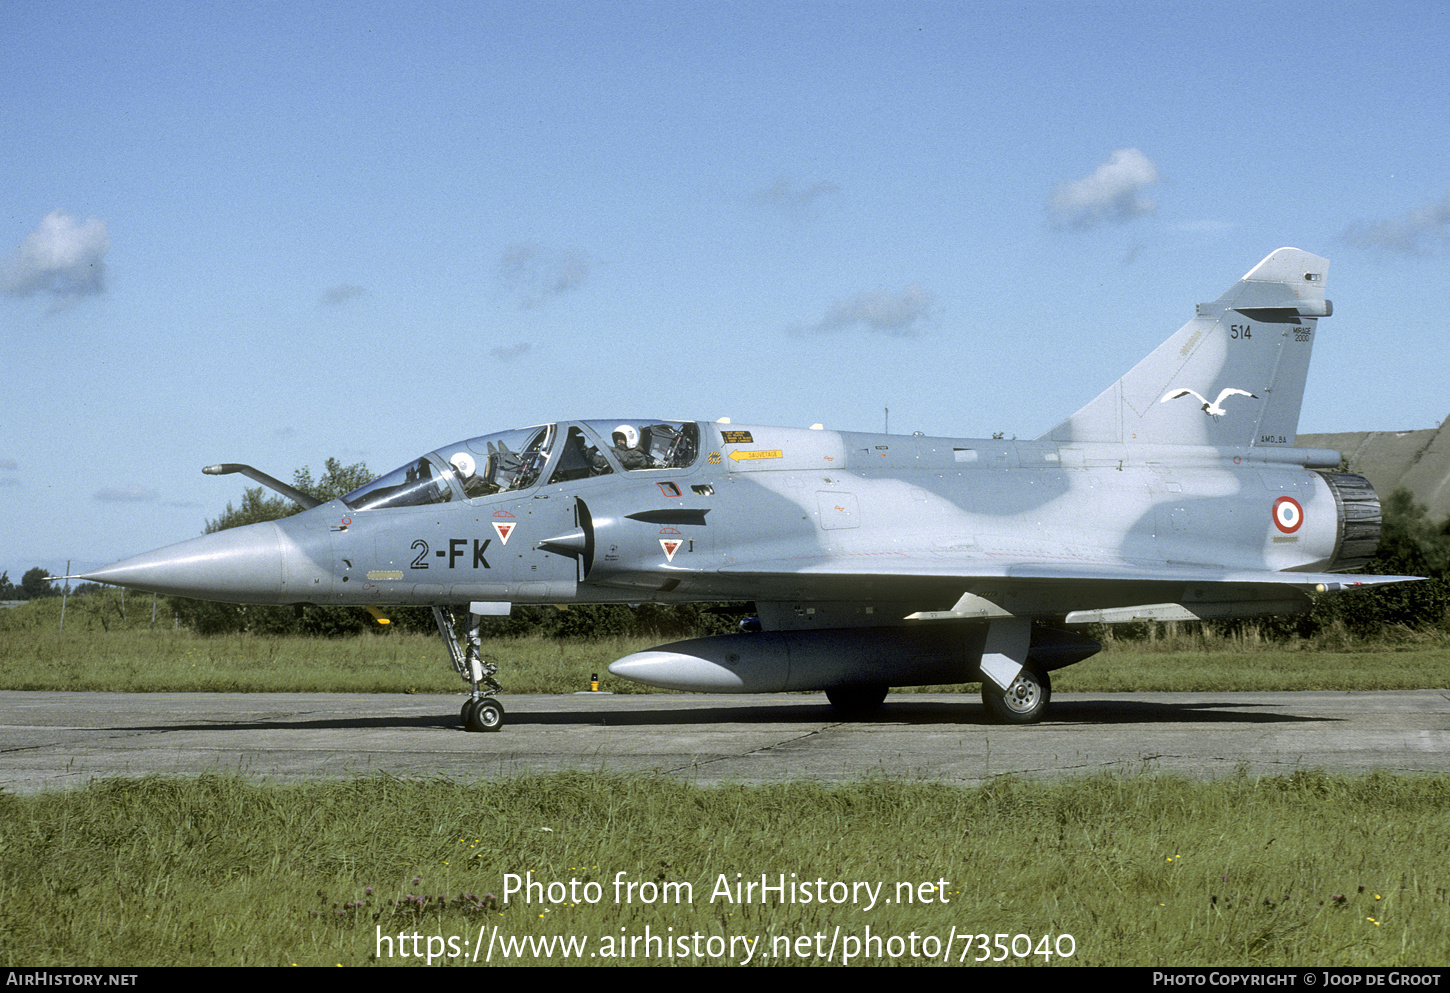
(483, 715)
(857, 701)
(1024, 702)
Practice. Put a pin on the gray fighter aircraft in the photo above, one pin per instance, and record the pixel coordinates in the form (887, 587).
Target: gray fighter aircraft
(873, 560)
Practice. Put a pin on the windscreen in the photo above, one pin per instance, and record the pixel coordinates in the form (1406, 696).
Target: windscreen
(419, 483)
(496, 463)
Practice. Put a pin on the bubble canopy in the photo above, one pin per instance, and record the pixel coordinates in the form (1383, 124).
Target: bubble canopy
(511, 461)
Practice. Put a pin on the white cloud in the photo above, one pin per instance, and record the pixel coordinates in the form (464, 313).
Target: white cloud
(1403, 234)
(1113, 192)
(506, 353)
(783, 195)
(343, 293)
(1205, 226)
(62, 257)
(895, 314)
(534, 273)
(126, 494)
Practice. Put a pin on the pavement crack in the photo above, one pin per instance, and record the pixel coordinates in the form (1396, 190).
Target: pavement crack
(696, 762)
(788, 741)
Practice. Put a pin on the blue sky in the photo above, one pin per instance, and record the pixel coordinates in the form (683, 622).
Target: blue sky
(274, 233)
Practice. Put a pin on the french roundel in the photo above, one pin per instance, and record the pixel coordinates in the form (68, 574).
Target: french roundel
(1288, 515)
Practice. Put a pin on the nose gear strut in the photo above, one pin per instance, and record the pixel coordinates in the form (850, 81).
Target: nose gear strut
(481, 712)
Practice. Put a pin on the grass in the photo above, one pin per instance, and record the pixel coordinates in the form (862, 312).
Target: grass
(1312, 869)
(104, 648)
(1309, 869)
(172, 661)
(166, 661)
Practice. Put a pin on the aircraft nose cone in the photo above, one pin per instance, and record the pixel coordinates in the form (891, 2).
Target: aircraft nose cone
(241, 565)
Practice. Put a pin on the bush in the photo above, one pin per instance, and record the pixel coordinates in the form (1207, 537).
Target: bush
(208, 618)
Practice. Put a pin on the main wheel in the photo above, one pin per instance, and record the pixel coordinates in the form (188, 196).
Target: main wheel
(483, 715)
(1021, 703)
(857, 701)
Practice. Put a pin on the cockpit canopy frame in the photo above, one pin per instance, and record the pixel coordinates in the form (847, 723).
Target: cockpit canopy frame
(514, 461)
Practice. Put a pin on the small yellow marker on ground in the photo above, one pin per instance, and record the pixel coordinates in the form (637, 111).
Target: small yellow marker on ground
(593, 687)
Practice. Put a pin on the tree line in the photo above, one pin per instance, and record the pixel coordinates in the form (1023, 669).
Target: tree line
(33, 585)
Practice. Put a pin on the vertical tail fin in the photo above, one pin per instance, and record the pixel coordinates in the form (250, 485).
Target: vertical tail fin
(1232, 377)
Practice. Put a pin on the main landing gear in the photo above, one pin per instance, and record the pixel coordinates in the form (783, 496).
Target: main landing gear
(1024, 701)
(481, 712)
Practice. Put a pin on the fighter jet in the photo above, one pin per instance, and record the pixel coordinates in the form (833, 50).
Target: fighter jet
(873, 560)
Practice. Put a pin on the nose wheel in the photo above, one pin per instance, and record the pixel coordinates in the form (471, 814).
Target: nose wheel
(481, 712)
(484, 714)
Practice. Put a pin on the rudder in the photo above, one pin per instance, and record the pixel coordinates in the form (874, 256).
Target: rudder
(1232, 377)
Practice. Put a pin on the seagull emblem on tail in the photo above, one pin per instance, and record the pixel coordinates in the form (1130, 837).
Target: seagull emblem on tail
(1214, 409)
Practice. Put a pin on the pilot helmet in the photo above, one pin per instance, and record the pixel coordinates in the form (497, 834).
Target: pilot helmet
(464, 463)
(626, 436)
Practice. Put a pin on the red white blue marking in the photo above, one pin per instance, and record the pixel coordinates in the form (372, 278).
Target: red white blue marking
(1288, 515)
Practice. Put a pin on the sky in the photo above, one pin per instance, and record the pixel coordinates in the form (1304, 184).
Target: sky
(275, 233)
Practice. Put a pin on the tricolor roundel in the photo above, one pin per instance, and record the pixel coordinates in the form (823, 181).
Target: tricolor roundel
(1288, 515)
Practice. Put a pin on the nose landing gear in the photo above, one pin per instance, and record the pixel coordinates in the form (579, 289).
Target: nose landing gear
(481, 712)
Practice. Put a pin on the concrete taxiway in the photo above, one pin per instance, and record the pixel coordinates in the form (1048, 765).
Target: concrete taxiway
(51, 740)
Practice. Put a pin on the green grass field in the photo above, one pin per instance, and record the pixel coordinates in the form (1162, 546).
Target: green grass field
(1310, 869)
(1314, 869)
(105, 648)
(167, 661)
